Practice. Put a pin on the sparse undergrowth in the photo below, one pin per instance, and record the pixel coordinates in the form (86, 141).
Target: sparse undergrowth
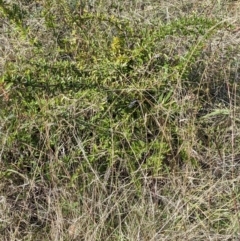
(119, 121)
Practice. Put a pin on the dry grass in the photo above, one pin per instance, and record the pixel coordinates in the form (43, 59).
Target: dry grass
(77, 164)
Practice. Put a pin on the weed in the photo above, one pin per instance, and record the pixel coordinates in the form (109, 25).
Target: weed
(117, 124)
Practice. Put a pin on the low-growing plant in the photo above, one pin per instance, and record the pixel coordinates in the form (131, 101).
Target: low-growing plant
(108, 108)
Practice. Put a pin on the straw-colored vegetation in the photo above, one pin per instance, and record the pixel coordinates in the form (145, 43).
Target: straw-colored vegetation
(119, 120)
